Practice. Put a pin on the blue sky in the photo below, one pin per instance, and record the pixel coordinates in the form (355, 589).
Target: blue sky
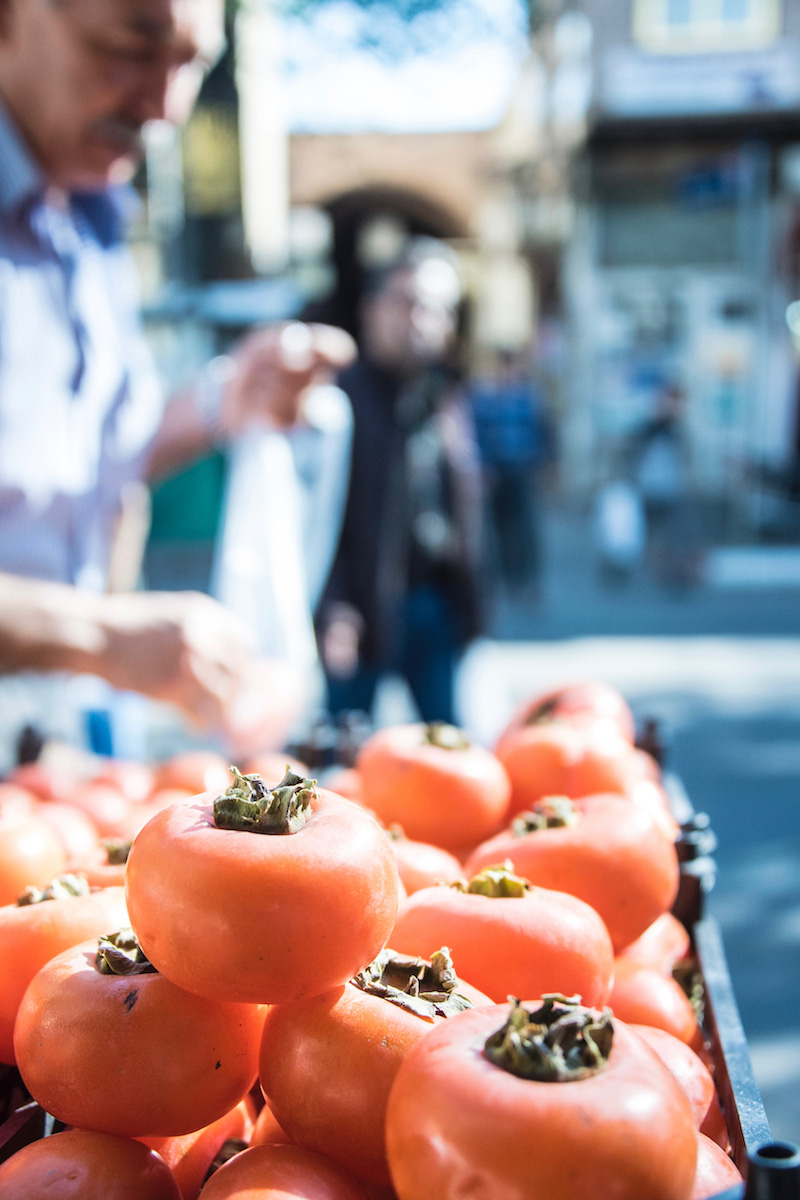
(453, 70)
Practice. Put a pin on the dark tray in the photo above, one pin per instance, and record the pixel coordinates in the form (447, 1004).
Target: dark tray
(771, 1169)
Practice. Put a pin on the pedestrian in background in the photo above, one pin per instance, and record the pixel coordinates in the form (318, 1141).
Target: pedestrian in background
(516, 445)
(403, 592)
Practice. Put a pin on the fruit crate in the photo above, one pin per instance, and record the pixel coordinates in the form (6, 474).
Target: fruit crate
(771, 1169)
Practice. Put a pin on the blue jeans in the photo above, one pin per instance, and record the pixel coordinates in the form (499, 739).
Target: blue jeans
(426, 655)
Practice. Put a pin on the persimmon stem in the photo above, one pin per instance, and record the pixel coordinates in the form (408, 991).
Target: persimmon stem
(61, 887)
(446, 737)
(556, 1043)
(498, 882)
(428, 989)
(551, 812)
(117, 851)
(250, 806)
(120, 954)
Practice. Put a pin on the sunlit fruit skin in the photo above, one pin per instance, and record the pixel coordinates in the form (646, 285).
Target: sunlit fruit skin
(80, 1164)
(662, 945)
(543, 942)
(132, 1055)
(457, 1125)
(327, 1065)
(642, 995)
(261, 918)
(614, 857)
(31, 935)
(580, 703)
(197, 771)
(716, 1172)
(280, 1172)
(190, 1156)
(423, 865)
(693, 1076)
(451, 798)
(31, 853)
(537, 760)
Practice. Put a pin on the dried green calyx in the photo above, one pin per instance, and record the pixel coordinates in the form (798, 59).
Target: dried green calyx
(556, 1043)
(60, 888)
(446, 737)
(425, 988)
(120, 954)
(553, 812)
(117, 851)
(498, 882)
(250, 806)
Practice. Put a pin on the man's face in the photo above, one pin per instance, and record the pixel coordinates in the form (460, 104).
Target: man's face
(411, 321)
(81, 77)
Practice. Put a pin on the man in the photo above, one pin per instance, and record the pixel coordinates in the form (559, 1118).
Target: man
(402, 595)
(80, 410)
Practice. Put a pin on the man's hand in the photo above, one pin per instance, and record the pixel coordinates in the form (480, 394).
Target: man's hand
(181, 647)
(273, 367)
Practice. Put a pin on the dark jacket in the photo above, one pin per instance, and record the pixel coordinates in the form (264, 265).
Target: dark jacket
(413, 510)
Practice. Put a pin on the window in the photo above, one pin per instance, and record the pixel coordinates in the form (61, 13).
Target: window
(704, 26)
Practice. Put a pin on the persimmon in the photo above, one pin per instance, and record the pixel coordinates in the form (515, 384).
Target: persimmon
(431, 780)
(194, 771)
(566, 760)
(552, 1101)
(133, 779)
(105, 803)
(77, 831)
(581, 703)
(662, 945)
(715, 1172)
(80, 1164)
(267, 1131)
(693, 1076)
(191, 1156)
(345, 781)
(327, 1063)
(41, 926)
(644, 996)
(105, 867)
(42, 780)
(421, 864)
(281, 1173)
(262, 896)
(537, 759)
(602, 849)
(31, 853)
(104, 1042)
(508, 937)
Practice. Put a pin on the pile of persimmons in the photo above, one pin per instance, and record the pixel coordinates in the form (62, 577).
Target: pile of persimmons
(446, 975)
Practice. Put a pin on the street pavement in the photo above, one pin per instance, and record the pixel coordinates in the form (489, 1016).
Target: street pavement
(719, 667)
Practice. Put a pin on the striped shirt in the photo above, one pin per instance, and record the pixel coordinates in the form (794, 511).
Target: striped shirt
(79, 399)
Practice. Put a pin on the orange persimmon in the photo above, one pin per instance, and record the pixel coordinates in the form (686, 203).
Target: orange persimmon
(131, 1053)
(509, 938)
(327, 1063)
(434, 783)
(552, 1101)
(262, 895)
(80, 1164)
(644, 996)
(602, 849)
(277, 1172)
